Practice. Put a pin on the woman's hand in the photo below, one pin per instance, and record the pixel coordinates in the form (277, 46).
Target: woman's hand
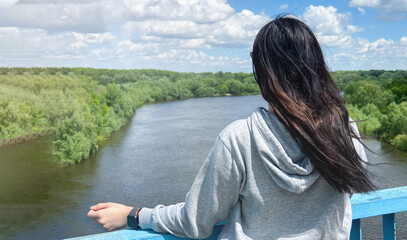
(110, 215)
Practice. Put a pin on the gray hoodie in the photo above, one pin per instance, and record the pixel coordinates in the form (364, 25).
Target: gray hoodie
(258, 179)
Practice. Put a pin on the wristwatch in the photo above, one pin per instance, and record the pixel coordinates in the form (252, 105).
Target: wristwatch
(132, 218)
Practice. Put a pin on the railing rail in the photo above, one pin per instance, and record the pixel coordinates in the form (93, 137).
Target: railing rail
(384, 202)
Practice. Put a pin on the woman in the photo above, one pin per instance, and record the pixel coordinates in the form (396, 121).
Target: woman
(282, 173)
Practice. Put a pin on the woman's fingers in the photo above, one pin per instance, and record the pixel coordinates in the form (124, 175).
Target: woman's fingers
(100, 206)
(93, 214)
(110, 215)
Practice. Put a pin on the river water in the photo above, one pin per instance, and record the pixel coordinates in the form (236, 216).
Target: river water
(152, 160)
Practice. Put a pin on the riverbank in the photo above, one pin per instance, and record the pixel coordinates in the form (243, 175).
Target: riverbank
(84, 106)
(25, 138)
(100, 139)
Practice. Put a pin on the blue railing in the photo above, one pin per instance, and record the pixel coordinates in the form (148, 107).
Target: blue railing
(384, 202)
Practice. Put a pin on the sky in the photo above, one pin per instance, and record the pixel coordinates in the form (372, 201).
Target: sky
(193, 35)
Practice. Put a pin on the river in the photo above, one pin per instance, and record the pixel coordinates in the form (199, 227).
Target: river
(151, 160)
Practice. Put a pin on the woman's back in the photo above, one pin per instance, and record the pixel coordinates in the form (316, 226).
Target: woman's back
(281, 196)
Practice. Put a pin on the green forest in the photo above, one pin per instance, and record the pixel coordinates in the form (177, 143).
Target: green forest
(378, 99)
(81, 107)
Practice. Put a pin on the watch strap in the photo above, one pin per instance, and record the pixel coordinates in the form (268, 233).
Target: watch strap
(132, 218)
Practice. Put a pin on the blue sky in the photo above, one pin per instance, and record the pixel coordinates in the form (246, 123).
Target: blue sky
(193, 35)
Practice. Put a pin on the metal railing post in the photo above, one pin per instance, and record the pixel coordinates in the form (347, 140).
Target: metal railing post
(389, 226)
(356, 230)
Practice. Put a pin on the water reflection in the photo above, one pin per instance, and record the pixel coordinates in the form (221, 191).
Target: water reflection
(35, 190)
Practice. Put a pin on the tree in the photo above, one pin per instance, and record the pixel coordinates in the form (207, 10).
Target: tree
(363, 93)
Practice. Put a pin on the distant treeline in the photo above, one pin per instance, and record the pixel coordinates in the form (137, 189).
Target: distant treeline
(83, 106)
(379, 99)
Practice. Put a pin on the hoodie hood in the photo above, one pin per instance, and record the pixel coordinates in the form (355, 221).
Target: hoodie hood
(285, 162)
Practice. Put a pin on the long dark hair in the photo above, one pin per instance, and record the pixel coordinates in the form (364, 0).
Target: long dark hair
(289, 67)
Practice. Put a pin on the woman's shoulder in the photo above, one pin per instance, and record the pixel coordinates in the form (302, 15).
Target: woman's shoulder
(236, 130)
(239, 130)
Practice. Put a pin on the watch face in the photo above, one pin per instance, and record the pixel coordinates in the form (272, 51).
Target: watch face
(132, 222)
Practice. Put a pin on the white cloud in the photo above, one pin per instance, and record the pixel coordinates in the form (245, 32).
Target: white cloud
(364, 54)
(127, 48)
(183, 35)
(35, 43)
(56, 17)
(363, 45)
(179, 42)
(202, 11)
(193, 57)
(71, 15)
(98, 37)
(79, 41)
(7, 3)
(389, 10)
(238, 30)
(334, 31)
(364, 3)
(58, 1)
(353, 29)
(164, 28)
(282, 7)
(361, 10)
(326, 20)
(78, 32)
(65, 56)
(381, 44)
(101, 53)
(329, 25)
(335, 40)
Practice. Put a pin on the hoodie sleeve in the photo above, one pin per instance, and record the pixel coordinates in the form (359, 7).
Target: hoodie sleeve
(214, 192)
